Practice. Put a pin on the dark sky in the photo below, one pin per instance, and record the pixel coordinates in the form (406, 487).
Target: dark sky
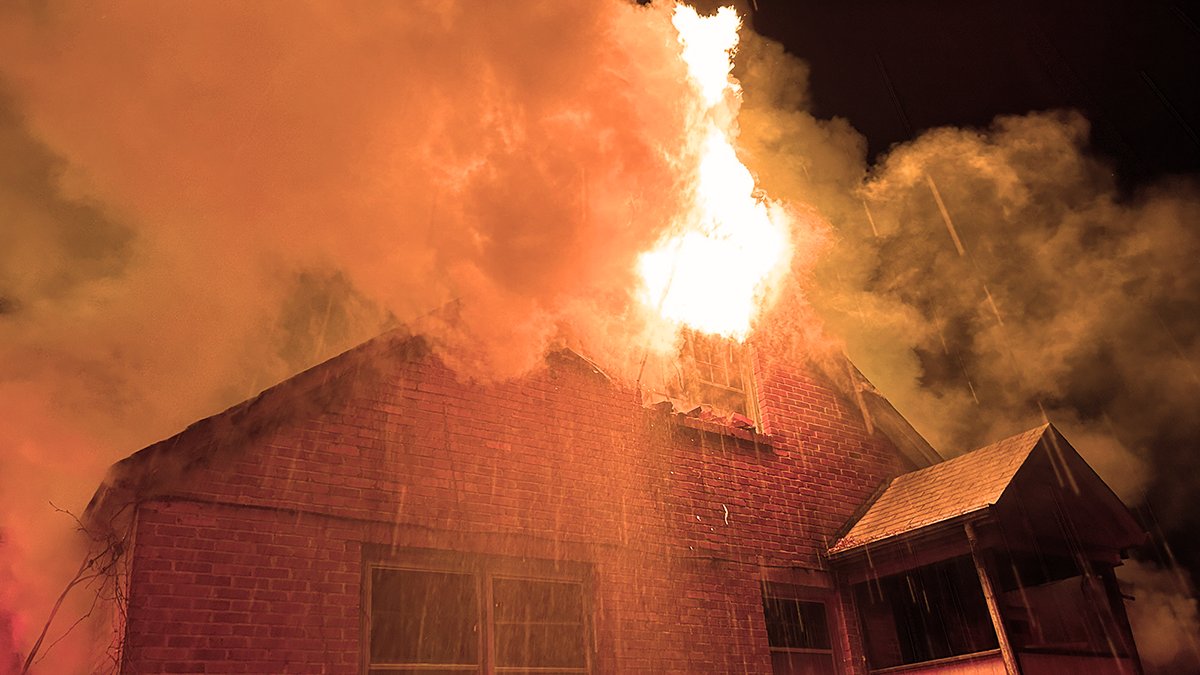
(895, 68)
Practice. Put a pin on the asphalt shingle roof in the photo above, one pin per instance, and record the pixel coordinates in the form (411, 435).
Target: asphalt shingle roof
(955, 487)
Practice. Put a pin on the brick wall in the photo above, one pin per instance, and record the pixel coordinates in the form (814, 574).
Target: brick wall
(221, 589)
(253, 561)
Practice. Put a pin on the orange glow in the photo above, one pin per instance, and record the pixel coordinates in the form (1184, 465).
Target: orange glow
(712, 272)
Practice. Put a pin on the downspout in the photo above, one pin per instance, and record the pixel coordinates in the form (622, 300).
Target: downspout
(989, 594)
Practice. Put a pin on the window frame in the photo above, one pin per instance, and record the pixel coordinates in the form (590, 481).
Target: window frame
(914, 579)
(484, 569)
(743, 360)
(827, 598)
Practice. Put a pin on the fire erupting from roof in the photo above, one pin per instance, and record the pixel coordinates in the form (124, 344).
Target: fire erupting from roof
(711, 271)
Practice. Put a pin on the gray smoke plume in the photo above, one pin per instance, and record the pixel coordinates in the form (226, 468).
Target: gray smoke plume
(987, 280)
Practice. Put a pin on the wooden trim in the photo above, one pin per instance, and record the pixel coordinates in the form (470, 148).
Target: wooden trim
(989, 594)
(974, 656)
(901, 554)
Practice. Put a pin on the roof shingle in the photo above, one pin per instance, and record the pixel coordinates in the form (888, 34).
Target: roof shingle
(955, 487)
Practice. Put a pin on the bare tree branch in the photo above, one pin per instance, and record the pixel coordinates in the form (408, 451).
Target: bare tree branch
(100, 566)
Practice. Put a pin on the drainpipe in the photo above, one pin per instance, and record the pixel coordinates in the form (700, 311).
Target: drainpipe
(989, 594)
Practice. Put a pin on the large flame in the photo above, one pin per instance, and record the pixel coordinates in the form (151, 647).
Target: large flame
(710, 274)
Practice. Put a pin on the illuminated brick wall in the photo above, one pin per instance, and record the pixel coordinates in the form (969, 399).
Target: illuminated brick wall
(252, 560)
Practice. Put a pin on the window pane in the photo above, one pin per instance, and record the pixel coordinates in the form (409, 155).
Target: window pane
(796, 624)
(928, 613)
(420, 617)
(538, 624)
(792, 663)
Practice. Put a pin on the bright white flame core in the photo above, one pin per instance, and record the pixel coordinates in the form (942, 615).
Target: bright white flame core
(711, 275)
(708, 44)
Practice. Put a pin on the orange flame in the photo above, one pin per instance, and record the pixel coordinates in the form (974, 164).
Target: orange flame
(712, 272)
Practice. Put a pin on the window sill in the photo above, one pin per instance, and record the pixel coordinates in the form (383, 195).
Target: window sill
(990, 654)
(704, 427)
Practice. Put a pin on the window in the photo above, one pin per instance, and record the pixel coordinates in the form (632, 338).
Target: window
(927, 613)
(710, 377)
(798, 634)
(439, 613)
(715, 370)
(421, 618)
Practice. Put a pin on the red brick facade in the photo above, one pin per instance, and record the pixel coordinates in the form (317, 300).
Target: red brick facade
(252, 528)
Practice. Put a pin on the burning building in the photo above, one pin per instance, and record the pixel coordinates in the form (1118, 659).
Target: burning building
(745, 509)
(380, 514)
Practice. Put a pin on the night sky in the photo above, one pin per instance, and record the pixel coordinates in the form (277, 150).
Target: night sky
(1131, 66)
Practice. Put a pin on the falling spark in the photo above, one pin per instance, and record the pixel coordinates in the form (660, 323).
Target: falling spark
(991, 303)
(937, 321)
(945, 216)
(970, 386)
(866, 208)
(958, 243)
(1178, 348)
(711, 273)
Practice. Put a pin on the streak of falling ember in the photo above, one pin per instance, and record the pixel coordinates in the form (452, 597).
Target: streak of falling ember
(968, 379)
(962, 252)
(945, 215)
(992, 304)
(870, 219)
(937, 321)
(1183, 357)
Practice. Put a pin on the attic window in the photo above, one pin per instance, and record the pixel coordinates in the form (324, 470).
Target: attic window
(715, 370)
(710, 378)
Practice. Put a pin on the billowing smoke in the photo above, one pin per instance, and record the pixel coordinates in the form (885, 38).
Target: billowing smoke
(199, 199)
(1164, 618)
(987, 280)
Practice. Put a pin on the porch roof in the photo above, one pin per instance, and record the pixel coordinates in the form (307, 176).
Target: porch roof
(979, 480)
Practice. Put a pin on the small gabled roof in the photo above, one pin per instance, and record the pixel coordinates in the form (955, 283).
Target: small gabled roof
(953, 488)
(978, 480)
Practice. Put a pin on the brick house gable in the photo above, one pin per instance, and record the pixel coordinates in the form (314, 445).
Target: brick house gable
(254, 529)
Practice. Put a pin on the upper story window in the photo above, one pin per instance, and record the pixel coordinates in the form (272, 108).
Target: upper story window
(710, 377)
(434, 612)
(715, 370)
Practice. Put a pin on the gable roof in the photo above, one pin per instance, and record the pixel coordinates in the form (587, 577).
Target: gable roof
(877, 412)
(161, 465)
(978, 480)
